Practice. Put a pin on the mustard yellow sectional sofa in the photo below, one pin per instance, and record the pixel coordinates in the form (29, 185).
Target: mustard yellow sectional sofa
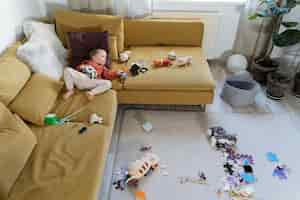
(41, 162)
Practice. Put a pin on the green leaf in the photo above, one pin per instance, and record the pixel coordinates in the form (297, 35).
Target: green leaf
(289, 24)
(286, 38)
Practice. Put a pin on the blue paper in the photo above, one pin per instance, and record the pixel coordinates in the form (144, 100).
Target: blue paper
(272, 157)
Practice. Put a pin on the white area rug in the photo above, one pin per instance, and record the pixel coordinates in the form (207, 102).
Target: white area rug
(178, 138)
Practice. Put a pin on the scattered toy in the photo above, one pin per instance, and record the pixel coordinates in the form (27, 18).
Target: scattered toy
(172, 55)
(272, 157)
(146, 148)
(137, 68)
(124, 56)
(95, 119)
(123, 75)
(164, 62)
(220, 139)
(82, 130)
(281, 171)
(140, 195)
(184, 61)
(147, 126)
(120, 178)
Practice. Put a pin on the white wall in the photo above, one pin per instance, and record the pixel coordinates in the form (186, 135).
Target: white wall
(13, 13)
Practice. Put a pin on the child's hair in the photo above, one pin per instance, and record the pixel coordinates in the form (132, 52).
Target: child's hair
(95, 51)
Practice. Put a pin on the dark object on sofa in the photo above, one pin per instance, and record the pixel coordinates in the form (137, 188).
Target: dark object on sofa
(134, 70)
(81, 43)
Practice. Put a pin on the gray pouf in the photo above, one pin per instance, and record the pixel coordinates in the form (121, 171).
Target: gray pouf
(239, 90)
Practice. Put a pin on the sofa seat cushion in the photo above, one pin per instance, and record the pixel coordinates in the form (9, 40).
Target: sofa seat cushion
(17, 142)
(104, 105)
(196, 77)
(65, 164)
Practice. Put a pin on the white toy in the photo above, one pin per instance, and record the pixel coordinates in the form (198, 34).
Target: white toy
(140, 168)
(95, 119)
(89, 71)
(184, 60)
(172, 55)
(237, 63)
(220, 139)
(124, 56)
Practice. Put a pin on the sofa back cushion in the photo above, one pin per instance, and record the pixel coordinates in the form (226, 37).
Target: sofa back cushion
(37, 98)
(17, 142)
(167, 32)
(14, 74)
(113, 24)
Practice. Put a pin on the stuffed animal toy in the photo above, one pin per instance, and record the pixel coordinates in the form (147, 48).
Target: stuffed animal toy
(134, 69)
(143, 167)
(172, 55)
(89, 71)
(220, 139)
(165, 62)
(184, 61)
(95, 119)
(124, 56)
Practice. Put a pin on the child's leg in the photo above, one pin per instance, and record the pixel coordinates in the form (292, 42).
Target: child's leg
(74, 78)
(100, 87)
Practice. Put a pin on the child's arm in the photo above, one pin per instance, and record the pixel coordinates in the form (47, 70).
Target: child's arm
(109, 74)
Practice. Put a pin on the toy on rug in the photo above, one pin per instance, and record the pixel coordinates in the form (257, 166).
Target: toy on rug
(136, 171)
(172, 55)
(140, 195)
(95, 119)
(136, 69)
(162, 62)
(184, 61)
(124, 56)
(220, 139)
(89, 71)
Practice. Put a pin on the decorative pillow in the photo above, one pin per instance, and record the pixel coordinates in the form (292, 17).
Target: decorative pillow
(37, 98)
(17, 142)
(14, 75)
(45, 32)
(81, 43)
(113, 24)
(41, 58)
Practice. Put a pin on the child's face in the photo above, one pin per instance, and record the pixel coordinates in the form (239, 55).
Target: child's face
(100, 57)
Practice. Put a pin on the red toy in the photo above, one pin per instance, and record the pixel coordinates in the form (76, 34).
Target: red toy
(164, 62)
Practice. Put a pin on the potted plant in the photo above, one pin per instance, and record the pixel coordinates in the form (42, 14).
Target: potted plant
(264, 68)
(274, 10)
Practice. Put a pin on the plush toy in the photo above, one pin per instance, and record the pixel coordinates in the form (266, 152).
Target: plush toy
(134, 69)
(143, 167)
(122, 75)
(124, 56)
(89, 71)
(165, 62)
(220, 139)
(95, 119)
(184, 61)
(172, 55)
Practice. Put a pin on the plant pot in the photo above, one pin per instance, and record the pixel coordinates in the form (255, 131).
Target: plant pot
(261, 69)
(276, 85)
(297, 85)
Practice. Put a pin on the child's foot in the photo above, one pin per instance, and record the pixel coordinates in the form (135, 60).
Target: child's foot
(68, 94)
(90, 96)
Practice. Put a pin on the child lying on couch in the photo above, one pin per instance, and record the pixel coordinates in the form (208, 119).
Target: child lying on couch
(91, 75)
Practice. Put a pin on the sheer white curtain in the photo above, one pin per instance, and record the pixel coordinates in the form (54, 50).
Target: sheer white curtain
(252, 36)
(127, 8)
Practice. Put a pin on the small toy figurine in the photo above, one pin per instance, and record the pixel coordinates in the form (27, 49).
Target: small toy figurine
(134, 69)
(165, 62)
(220, 139)
(184, 61)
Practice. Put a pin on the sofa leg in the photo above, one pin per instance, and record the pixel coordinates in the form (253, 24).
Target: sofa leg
(203, 108)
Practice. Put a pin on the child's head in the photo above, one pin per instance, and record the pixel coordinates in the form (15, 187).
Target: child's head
(98, 56)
